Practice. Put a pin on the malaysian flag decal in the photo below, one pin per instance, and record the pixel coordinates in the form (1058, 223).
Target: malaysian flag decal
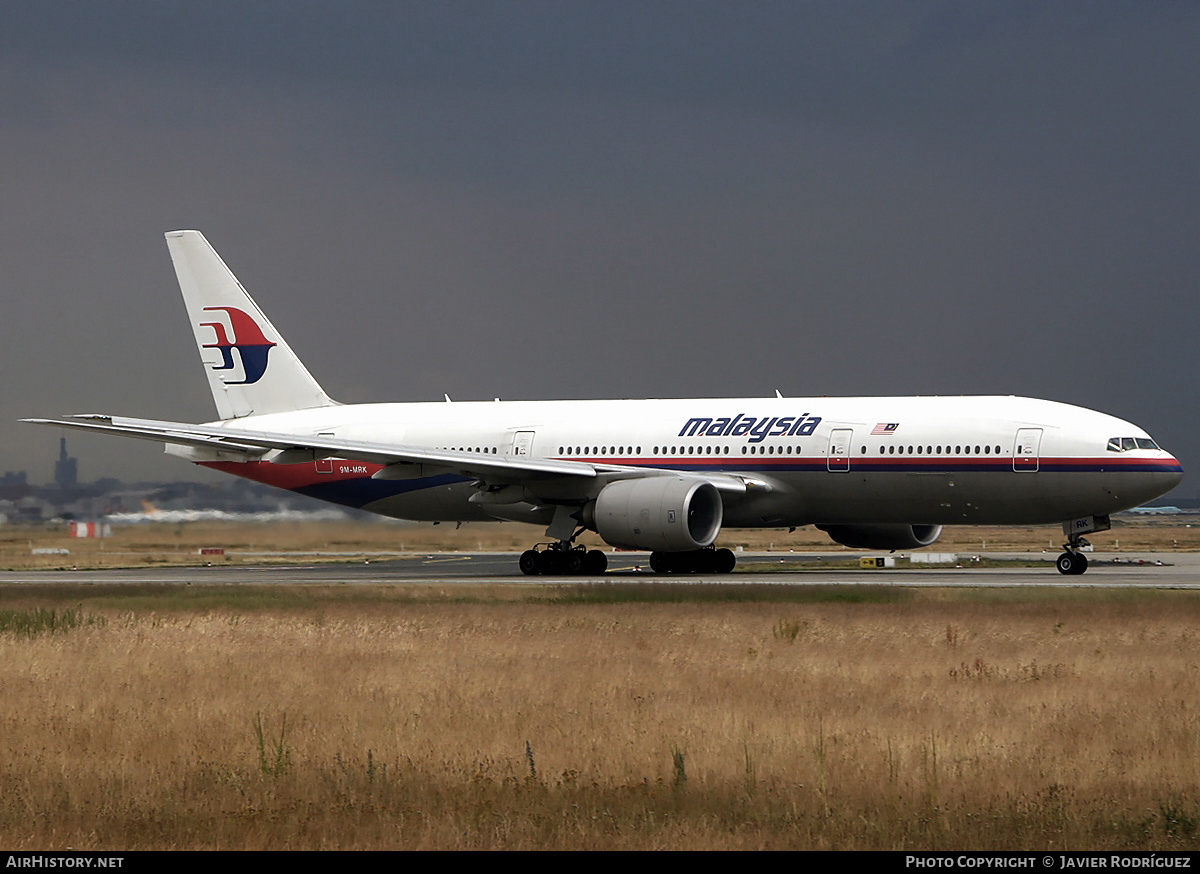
(885, 428)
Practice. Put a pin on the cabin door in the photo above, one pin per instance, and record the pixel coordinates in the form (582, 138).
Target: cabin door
(522, 444)
(838, 458)
(1025, 450)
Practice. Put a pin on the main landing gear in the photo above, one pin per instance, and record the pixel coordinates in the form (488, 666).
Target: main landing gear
(698, 561)
(561, 557)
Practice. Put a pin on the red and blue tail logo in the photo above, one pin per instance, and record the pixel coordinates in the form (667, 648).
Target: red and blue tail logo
(252, 347)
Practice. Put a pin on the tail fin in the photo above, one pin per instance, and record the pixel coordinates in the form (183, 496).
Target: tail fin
(250, 367)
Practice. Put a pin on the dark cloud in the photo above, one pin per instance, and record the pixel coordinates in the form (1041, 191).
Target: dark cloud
(604, 199)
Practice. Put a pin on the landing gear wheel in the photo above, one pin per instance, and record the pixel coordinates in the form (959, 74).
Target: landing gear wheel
(595, 563)
(528, 562)
(549, 562)
(1072, 563)
(697, 561)
(562, 558)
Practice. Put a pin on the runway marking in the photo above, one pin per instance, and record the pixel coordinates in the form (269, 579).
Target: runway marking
(443, 560)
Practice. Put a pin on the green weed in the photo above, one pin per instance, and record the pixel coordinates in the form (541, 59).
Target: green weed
(45, 620)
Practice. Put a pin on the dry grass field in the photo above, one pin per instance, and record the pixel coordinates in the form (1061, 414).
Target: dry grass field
(597, 716)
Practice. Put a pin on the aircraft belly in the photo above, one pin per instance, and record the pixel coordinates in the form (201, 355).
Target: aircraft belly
(440, 503)
(984, 498)
(350, 484)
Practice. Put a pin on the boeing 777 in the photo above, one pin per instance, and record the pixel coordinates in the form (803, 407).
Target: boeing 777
(658, 475)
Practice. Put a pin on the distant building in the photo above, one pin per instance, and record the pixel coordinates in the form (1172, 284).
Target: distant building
(13, 485)
(66, 469)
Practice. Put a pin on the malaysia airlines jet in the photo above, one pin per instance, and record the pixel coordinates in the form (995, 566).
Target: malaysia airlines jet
(657, 475)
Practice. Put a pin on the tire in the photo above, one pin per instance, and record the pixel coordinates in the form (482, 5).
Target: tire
(1072, 563)
(724, 561)
(528, 563)
(595, 563)
(549, 562)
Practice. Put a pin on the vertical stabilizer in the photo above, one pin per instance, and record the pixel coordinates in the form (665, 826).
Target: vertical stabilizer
(250, 367)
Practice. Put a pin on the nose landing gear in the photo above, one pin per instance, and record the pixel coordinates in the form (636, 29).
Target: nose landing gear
(1070, 562)
(1073, 562)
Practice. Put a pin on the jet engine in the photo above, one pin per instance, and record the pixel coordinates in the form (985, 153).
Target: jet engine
(667, 513)
(883, 536)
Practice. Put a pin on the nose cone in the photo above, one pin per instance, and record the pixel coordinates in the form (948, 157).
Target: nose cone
(1172, 472)
(1153, 476)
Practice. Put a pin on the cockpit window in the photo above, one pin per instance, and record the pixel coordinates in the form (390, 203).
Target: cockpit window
(1124, 444)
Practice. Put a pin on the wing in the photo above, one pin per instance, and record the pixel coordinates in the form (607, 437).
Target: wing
(401, 462)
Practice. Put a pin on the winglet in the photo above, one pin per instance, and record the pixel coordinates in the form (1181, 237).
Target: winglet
(250, 367)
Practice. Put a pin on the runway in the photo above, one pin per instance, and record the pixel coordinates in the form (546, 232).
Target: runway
(1177, 571)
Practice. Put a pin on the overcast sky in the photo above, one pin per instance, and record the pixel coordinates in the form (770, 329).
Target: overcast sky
(603, 199)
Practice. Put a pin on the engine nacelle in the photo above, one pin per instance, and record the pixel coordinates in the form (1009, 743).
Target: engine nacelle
(883, 536)
(668, 513)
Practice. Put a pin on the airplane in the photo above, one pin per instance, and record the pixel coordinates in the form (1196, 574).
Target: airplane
(664, 476)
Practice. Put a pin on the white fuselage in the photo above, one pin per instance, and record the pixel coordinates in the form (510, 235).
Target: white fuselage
(936, 460)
